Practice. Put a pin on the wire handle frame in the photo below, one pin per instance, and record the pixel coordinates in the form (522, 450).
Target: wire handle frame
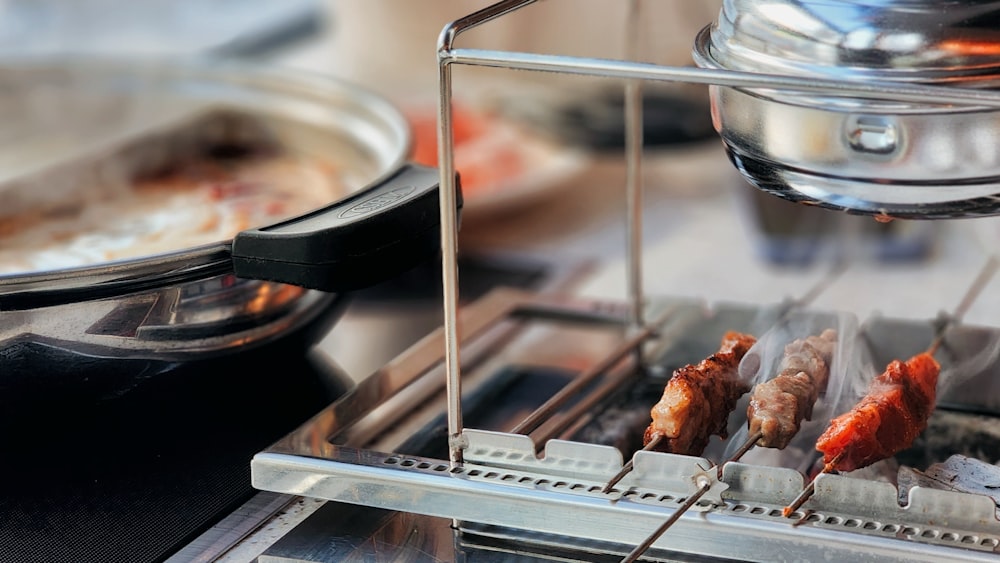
(628, 70)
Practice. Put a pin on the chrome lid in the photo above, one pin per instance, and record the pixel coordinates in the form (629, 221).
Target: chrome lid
(930, 41)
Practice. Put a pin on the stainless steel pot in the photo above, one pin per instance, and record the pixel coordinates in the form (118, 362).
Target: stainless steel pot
(231, 295)
(912, 160)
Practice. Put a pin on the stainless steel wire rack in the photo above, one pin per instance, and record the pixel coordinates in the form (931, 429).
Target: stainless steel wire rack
(506, 483)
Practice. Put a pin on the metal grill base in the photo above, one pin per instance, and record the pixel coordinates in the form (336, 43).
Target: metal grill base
(507, 487)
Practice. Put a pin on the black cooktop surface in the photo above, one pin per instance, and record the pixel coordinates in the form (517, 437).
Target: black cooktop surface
(133, 471)
(134, 477)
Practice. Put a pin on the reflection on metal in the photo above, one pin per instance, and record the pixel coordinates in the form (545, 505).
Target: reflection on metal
(633, 170)
(527, 498)
(505, 484)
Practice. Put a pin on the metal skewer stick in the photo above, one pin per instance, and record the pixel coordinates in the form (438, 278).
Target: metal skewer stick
(745, 447)
(838, 268)
(985, 273)
(789, 305)
(633, 172)
(809, 489)
(627, 468)
(704, 484)
(542, 413)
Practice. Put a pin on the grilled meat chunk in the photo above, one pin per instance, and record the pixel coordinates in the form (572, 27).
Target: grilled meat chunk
(778, 406)
(887, 420)
(697, 400)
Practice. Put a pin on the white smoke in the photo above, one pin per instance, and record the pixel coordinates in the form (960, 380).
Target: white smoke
(849, 370)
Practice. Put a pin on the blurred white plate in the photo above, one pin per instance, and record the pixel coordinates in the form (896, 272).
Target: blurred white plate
(504, 165)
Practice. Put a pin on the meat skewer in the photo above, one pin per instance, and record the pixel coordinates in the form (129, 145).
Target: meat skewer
(653, 440)
(887, 420)
(696, 402)
(778, 406)
(895, 409)
(701, 480)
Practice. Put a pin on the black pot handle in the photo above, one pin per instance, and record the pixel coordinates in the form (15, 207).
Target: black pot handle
(374, 235)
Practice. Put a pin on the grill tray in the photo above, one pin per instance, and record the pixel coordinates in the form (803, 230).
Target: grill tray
(507, 488)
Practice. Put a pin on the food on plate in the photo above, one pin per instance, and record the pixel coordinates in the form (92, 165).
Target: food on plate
(488, 149)
(698, 399)
(778, 406)
(891, 415)
(201, 200)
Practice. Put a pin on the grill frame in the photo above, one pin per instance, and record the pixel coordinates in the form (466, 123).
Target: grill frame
(503, 484)
(322, 461)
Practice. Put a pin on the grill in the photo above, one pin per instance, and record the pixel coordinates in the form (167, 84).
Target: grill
(514, 438)
(544, 488)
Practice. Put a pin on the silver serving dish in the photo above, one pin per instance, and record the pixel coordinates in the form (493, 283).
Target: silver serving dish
(901, 159)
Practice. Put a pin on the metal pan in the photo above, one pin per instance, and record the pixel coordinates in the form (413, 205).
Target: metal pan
(75, 127)
(893, 158)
